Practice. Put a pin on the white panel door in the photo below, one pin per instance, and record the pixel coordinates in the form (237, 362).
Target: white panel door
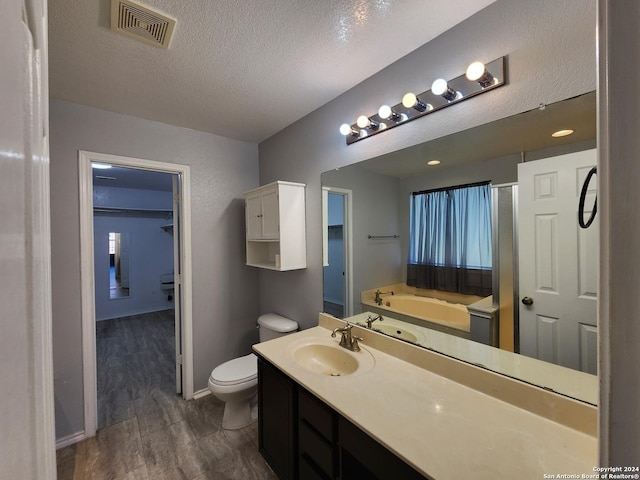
(558, 262)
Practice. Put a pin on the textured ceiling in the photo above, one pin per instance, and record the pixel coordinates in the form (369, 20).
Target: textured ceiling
(241, 69)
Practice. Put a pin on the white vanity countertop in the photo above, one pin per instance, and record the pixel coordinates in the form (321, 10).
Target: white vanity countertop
(442, 428)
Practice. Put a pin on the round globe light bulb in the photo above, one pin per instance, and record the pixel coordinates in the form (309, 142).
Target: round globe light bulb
(475, 71)
(385, 111)
(363, 121)
(409, 100)
(345, 129)
(439, 86)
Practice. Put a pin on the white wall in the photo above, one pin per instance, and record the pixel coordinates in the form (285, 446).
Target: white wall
(225, 291)
(150, 245)
(151, 255)
(551, 53)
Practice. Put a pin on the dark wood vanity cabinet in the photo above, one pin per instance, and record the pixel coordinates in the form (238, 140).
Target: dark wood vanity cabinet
(277, 429)
(303, 438)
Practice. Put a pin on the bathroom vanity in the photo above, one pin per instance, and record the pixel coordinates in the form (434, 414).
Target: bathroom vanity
(329, 413)
(302, 437)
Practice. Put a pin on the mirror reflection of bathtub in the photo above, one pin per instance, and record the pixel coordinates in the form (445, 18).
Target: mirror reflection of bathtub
(452, 315)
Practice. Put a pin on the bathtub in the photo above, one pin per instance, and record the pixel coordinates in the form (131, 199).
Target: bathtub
(426, 312)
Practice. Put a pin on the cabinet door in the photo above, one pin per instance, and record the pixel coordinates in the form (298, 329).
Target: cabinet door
(363, 457)
(253, 206)
(277, 400)
(270, 215)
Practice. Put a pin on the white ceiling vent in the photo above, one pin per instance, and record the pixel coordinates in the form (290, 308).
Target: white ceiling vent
(142, 23)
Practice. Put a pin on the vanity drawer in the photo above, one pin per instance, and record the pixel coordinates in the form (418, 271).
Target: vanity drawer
(316, 414)
(316, 453)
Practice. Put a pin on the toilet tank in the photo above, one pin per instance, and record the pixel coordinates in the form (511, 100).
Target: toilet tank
(273, 325)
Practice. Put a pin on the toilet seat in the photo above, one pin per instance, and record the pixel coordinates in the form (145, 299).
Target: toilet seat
(236, 371)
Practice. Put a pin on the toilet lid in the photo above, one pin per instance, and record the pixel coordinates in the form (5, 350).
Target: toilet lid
(238, 370)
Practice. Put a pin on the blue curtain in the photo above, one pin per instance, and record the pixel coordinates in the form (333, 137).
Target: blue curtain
(450, 240)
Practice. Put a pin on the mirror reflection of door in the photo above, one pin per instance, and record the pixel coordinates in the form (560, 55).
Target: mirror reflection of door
(558, 263)
(119, 256)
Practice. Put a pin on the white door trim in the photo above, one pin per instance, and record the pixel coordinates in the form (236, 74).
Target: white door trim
(87, 275)
(348, 241)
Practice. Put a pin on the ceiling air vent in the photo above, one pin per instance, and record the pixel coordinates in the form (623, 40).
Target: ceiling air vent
(141, 23)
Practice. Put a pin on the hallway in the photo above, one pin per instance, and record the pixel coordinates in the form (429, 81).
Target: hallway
(145, 430)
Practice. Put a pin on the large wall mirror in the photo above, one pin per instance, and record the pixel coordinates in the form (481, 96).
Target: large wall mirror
(537, 320)
(119, 260)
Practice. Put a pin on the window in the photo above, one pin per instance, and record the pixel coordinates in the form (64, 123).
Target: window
(450, 239)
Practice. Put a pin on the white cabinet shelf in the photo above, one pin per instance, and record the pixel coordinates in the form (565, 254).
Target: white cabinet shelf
(275, 226)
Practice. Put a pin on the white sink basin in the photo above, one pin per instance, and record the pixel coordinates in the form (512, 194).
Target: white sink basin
(398, 332)
(326, 357)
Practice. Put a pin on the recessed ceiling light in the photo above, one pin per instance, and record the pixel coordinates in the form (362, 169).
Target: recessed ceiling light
(562, 133)
(101, 166)
(433, 162)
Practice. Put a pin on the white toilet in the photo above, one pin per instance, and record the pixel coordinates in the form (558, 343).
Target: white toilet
(236, 382)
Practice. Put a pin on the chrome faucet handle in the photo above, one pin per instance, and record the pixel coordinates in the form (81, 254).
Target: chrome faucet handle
(354, 347)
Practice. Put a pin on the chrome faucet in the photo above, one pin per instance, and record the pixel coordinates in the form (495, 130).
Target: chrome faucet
(371, 320)
(378, 298)
(348, 340)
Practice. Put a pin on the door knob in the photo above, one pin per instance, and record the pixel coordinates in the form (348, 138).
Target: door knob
(527, 301)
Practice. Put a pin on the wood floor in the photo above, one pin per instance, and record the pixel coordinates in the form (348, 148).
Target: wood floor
(145, 430)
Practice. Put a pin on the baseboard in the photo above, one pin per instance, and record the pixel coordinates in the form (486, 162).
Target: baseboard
(134, 312)
(70, 440)
(201, 393)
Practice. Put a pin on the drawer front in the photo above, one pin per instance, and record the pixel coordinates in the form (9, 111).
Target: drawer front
(308, 471)
(316, 414)
(315, 450)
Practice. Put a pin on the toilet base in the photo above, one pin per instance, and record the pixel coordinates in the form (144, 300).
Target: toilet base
(240, 414)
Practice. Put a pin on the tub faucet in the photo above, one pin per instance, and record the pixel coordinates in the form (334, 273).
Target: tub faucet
(378, 298)
(348, 340)
(371, 320)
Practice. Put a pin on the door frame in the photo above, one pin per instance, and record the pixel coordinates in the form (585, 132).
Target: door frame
(347, 239)
(87, 296)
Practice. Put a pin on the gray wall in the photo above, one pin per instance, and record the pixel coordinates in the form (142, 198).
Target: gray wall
(225, 291)
(376, 211)
(551, 49)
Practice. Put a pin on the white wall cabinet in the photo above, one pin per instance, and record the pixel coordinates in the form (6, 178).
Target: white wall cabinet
(275, 221)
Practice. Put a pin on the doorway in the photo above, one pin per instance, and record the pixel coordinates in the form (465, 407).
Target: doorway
(337, 252)
(180, 210)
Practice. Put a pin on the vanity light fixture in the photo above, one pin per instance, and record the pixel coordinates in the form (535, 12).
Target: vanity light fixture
(479, 78)
(441, 87)
(562, 133)
(477, 72)
(410, 100)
